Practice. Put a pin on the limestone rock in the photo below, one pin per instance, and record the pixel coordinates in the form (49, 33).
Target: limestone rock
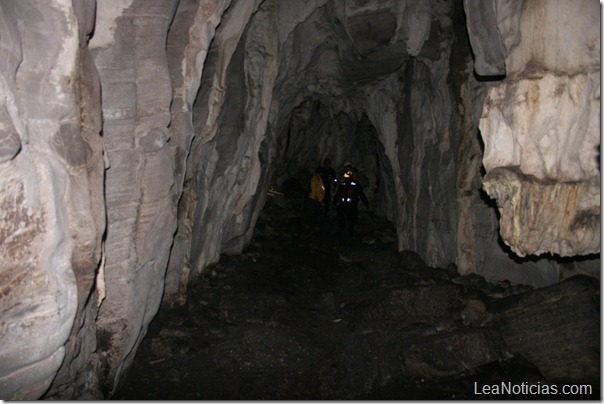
(450, 354)
(10, 144)
(541, 216)
(430, 304)
(139, 140)
(287, 319)
(52, 217)
(136, 103)
(542, 123)
(485, 38)
(546, 329)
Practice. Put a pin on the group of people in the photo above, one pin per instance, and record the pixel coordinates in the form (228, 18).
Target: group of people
(343, 192)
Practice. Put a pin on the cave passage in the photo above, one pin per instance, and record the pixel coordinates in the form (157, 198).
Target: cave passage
(144, 145)
(307, 312)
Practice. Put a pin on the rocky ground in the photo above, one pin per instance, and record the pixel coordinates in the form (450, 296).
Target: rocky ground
(305, 313)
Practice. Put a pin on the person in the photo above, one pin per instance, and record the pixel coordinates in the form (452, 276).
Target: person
(329, 179)
(317, 192)
(346, 199)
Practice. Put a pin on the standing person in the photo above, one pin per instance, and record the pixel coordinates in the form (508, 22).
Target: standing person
(329, 179)
(346, 199)
(317, 193)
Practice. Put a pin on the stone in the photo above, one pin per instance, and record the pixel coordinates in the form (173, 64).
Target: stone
(10, 144)
(540, 126)
(449, 354)
(139, 140)
(474, 312)
(70, 146)
(544, 327)
(545, 216)
(486, 40)
(428, 304)
(153, 141)
(526, 121)
(287, 320)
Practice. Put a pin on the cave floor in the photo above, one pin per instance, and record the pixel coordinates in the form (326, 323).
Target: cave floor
(306, 313)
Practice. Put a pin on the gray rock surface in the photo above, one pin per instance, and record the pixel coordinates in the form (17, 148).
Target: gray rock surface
(53, 209)
(139, 140)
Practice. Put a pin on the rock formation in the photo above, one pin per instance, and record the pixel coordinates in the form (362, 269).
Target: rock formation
(138, 140)
(304, 314)
(541, 129)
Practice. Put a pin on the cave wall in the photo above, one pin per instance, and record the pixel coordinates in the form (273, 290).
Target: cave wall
(541, 127)
(92, 182)
(52, 215)
(400, 85)
(138, 139)
(136, 99)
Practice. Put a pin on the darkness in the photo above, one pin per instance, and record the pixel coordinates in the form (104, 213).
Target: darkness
(307, 312)
(152, 177)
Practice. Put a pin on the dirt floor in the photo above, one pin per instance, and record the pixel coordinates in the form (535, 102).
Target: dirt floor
(307, 313)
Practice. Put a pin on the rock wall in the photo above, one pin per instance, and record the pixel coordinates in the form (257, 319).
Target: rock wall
(327, 90)
(541, 128)
(138, 139)
(136, 99)
(52, 215)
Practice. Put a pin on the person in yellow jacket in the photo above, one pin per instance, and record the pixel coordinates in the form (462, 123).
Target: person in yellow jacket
(317, 188)
(317, 192)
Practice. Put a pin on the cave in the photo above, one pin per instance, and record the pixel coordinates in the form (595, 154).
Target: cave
(144, 144)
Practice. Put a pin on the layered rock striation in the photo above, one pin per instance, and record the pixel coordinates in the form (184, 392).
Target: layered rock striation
(541, 128)
(138, 140)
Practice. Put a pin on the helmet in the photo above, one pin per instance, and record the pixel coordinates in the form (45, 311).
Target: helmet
(347, 169)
